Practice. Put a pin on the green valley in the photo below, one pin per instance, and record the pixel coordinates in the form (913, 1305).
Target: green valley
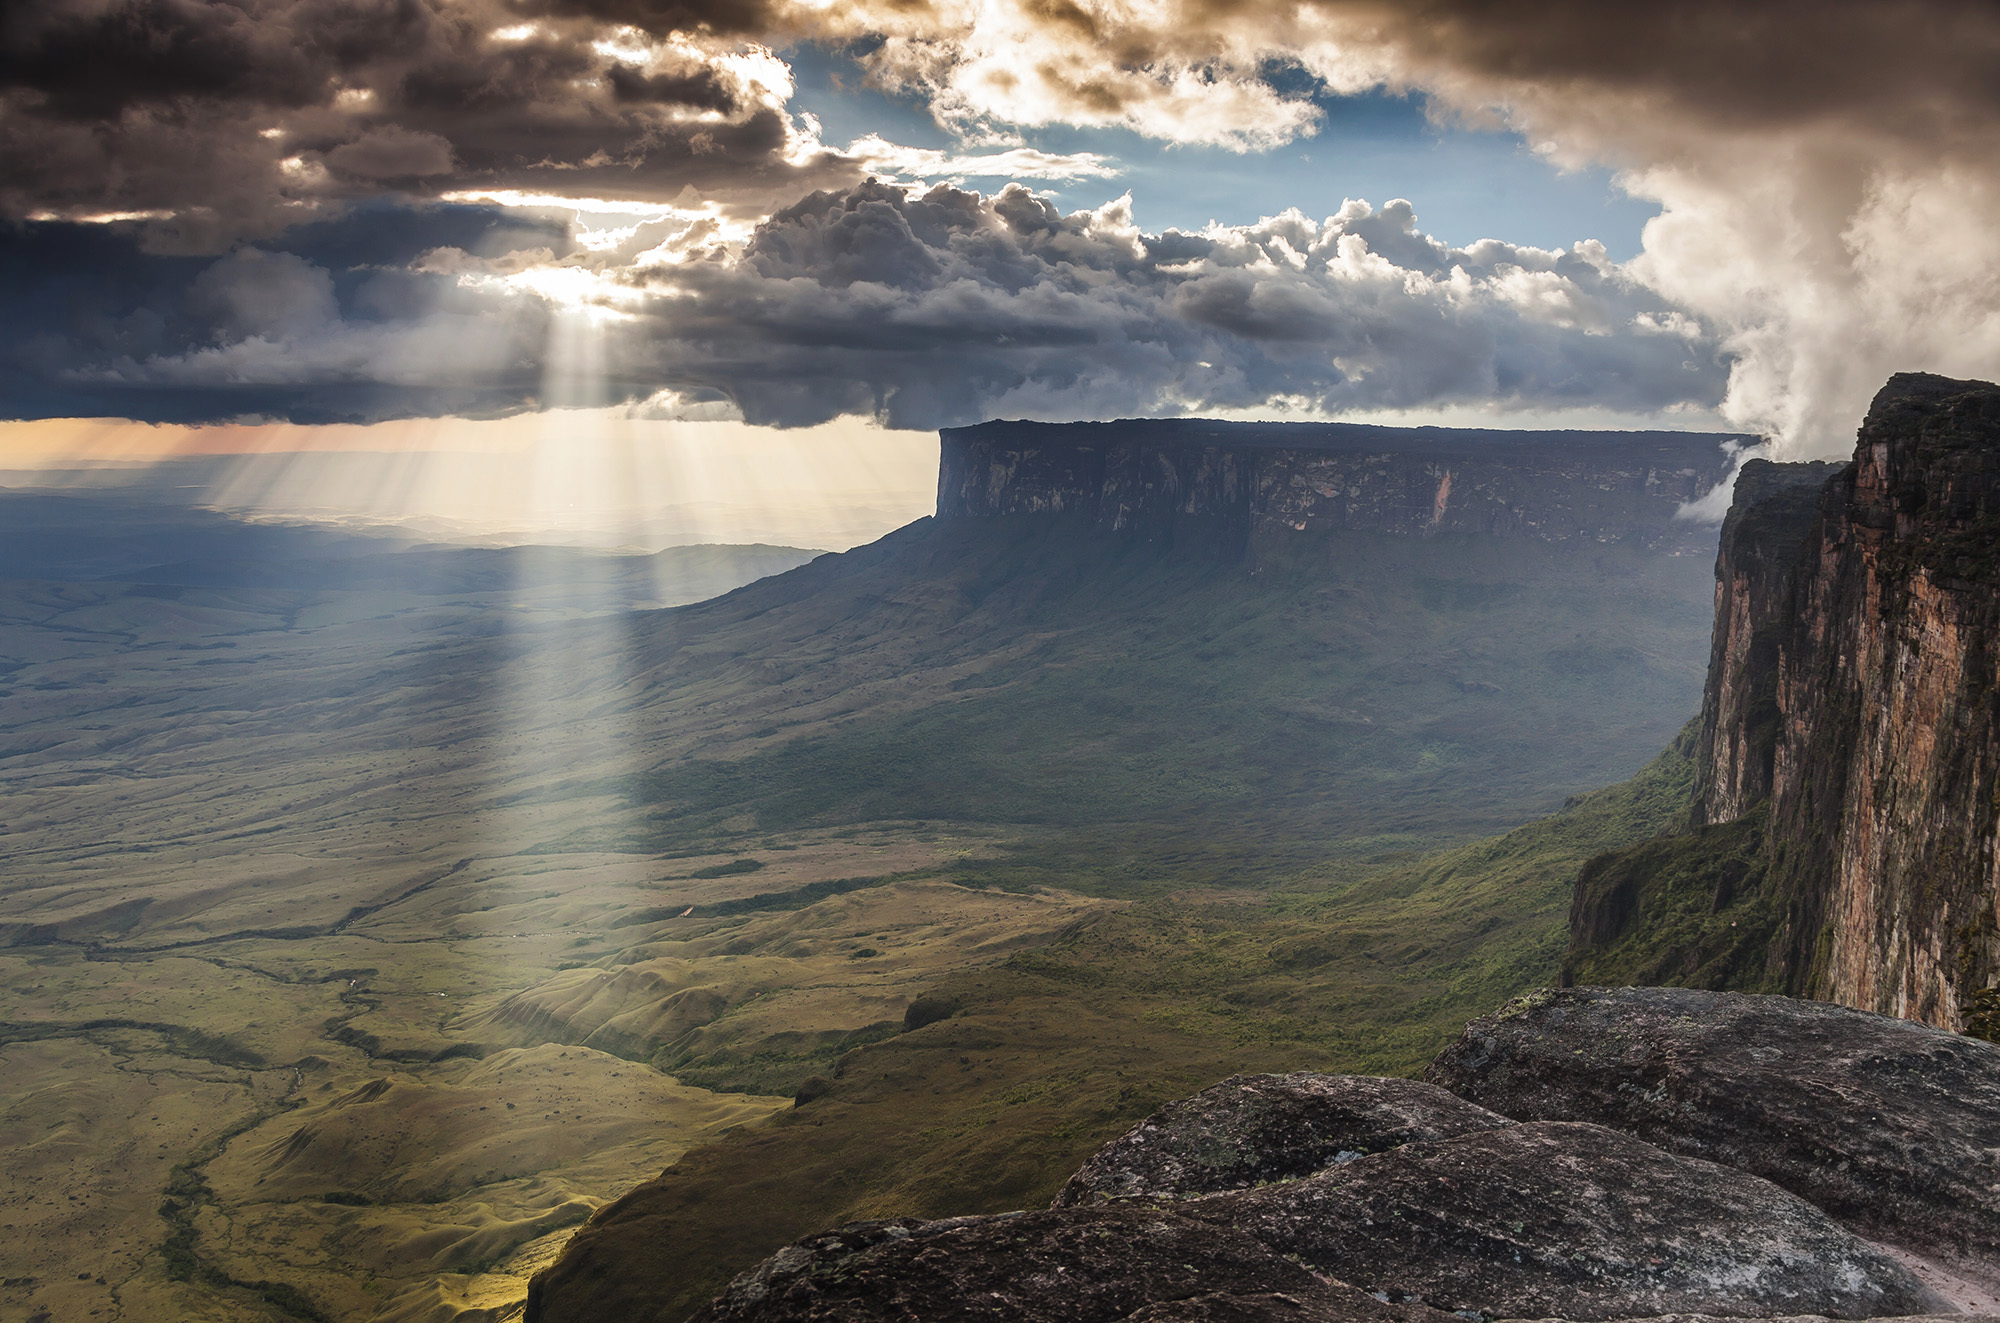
(368, 930)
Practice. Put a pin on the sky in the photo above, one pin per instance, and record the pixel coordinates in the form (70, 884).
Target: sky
(378, 225)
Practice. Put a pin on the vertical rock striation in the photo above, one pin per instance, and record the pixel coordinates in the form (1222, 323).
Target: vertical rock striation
(1883, 780)
(1850, 699)
(1262, 483)
(1774, 511)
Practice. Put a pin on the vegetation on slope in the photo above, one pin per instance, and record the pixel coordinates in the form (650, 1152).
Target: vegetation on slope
(1174, 815)
(1685, 910)
(1357, 965)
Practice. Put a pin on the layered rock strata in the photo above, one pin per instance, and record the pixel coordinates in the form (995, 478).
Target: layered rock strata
(1851, 700)
(1773, 511)
(1264, 482)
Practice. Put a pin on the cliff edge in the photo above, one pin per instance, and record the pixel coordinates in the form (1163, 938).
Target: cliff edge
(1848, 790)
(1260, 484)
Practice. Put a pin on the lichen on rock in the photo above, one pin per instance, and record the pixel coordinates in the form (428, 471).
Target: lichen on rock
(1255, 1129)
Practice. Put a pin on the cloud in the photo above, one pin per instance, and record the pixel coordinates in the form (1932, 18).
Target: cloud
(391, 152)
(1825, 168)
(945, 306)
(345, 323)
(1825, 171)
(215, 120)
(922, 308)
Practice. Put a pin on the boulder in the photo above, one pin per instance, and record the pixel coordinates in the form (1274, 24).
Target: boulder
(1256, 1129)
(1095, 1265)
(1561, 1219)
(1892, 1127)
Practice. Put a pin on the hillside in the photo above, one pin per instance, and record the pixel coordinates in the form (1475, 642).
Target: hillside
(370, 928)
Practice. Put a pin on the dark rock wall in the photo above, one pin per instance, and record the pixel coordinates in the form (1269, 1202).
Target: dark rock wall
(1764, 542)
(1266, 482)
(1853, 685)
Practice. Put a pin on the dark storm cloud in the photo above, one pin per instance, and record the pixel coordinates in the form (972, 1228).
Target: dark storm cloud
(923, 309)
(1916, 69)
(1825, 172)
(944, 307)
(726, 17)
(212, 121)
(88, 308)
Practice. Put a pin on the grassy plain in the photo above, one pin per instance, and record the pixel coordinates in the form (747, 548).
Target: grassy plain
(1359, 966)
(361, 933)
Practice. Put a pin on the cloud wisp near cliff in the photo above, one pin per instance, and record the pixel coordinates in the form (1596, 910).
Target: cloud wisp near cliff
(297, 209)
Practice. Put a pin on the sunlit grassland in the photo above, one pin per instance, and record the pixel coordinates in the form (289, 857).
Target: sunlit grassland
(1356, 966)
(305, 884)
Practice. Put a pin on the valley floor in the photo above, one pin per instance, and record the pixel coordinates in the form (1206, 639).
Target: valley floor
(357, 944)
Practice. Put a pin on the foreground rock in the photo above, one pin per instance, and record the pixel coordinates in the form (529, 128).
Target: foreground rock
(1256, 1129)
(1558, 1219)
(1098, 1265)
(1618, 1175)
(1892, 1127)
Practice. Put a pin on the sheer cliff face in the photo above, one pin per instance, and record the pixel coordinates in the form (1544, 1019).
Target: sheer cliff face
(1267, 481)
(1774, 511)
(1853, 682)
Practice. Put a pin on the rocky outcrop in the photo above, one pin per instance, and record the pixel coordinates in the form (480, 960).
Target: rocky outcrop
(1584, 1154)
(1061, 1266)
(1888, 760)
(1267, 482)
(1851, 702)
(1253, 1130)
(1889, 1126)
(1569, 1220)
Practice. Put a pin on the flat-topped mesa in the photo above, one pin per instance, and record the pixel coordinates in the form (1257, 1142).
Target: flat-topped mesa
(1265, 481)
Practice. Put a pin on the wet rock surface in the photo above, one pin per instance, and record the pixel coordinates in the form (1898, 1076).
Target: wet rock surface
(1255, 1129)
(1551, 1219)
(1891, 1126)
(1058, 1266)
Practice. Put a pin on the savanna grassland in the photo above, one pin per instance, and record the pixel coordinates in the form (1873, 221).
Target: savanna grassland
(374, 913)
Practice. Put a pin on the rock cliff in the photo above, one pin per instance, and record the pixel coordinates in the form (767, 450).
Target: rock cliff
(1850, 723)
(1263, 481)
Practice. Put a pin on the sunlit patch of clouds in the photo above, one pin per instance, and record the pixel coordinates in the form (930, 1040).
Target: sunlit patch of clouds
(931, 306)
(1825, 173)
(881, 156)
(684, 407)
(571, 289)
(100, 217)
(610, 226)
